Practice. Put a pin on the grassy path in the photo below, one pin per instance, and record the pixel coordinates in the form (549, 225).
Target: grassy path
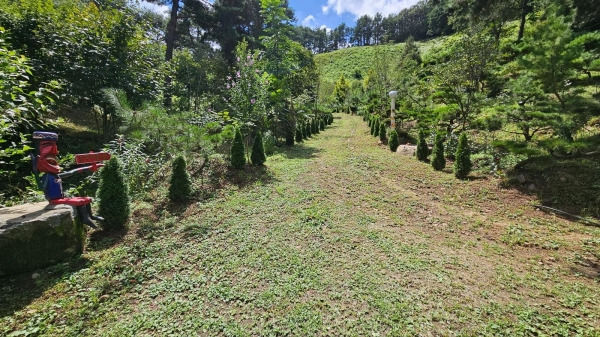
(340, 238)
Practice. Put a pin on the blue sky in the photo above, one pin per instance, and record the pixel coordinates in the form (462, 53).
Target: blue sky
(330, 13)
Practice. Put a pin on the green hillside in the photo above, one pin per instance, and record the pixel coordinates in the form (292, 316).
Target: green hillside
(346, 61)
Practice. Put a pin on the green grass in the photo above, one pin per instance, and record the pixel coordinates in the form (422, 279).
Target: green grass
(342, 238)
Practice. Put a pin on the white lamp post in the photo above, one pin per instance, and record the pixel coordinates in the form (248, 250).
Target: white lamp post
(393, 95)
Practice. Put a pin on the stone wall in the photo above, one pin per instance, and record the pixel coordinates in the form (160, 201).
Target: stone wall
(38, 235)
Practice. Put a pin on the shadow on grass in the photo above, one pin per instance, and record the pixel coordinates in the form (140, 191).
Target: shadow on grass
(299, 151)
(250, 175)
(18, 291)
(104, 239)
(570, 185)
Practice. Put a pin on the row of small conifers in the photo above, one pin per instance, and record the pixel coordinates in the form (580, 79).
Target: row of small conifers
(114, 195)
(462, 163)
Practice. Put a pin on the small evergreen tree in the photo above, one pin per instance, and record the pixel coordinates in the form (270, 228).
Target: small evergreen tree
(393, 142)
(462, 164)
(370, 122)
(438, 161)
(382, 132)
(113, 195)
(180, 186)
(303, 131)
(315, 128)
(330, 118)
(376, 128)
(298, 135)
(322, 124)
(372, 128)
(258, 156)
(238, 157)
(289, 137)
(307, 129)
(422, 148)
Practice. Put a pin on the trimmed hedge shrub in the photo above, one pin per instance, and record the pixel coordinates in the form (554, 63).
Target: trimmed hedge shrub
(258, 156)
(376, 128)
(394, 142)
(180, 186)
(238, 157)
(382, 131)
(438, 161)
(422, 148)
(113, 195)
(462, 163)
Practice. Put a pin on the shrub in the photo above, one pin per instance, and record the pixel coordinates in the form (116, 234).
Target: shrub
(113, 195)
(393, 142)
(438, 161)
(315, 127)
(330, 118)
(238, 157)
(289, 137)
(370, 121)
(376, 128)
(462, 164)
(307, 129)
(422, 148)
(298, 135)
(269, 142)
(180, 186)
(382, 131)
(372, 128)
(258, 150)
(321, 124)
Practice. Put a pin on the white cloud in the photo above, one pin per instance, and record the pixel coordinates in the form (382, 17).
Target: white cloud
(367, 7)
(309, 21)
(327, 29)
(160, 9)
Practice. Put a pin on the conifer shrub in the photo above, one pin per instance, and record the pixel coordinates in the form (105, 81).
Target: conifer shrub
(370, 122)
(298, 135)
(289, 137)
(322, 124)
(422, 148)
(394, 142)
(303, 131)
(113, 195)
(462, 163)
(372, 128)
(308, 129)
(382, 132)
(238, 157)
(376, 128)
(315, 127)
(438, 161)
(330, 118)
(180, 186)
(258, 156)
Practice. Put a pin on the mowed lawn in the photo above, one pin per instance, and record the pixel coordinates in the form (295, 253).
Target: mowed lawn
(338, 237)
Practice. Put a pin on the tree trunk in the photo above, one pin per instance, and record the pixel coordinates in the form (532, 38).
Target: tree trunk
(170, 42)
(524, 11)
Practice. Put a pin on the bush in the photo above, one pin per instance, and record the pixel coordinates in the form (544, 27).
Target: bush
(269, 142)
(315, 127)
(376, 128)
(298, 135)
(180, 186)
(370, 122)
(289, 137)
(113, 195)
(438, 161)
(307, 129)
(321, 124)
(238, 157)
(372, 128)
(422, 148)
(462, 164)
(382, 131)
(393, 142)
(258, 150)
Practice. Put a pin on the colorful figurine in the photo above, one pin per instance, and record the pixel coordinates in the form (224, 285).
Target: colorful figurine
(46, 162)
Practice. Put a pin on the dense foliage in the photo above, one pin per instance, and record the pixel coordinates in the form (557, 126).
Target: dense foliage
(113, 195)
(180, 185)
